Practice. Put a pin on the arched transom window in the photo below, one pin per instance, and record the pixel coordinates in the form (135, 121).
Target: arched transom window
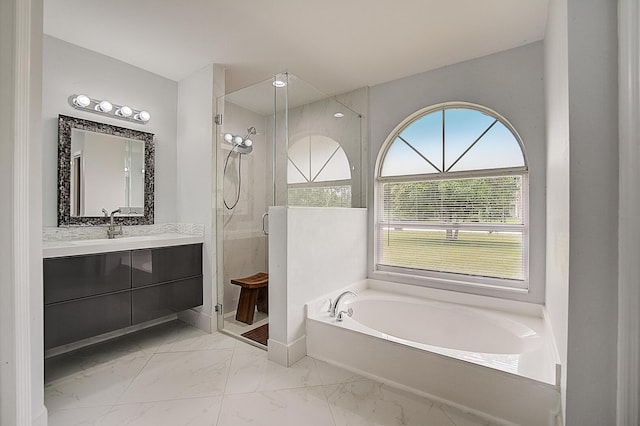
(318, 173)
(451, 190)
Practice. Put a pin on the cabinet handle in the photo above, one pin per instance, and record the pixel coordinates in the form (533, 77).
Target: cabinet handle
(264, 229)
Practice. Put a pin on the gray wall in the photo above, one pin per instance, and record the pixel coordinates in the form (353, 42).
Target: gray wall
(508, 82)
(593, 131)
(582, 221)
(68, 70)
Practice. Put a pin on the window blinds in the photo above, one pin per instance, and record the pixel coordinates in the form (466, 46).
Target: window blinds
(470, 226)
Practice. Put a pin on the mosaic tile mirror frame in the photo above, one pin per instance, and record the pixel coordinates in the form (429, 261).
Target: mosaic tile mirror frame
(66, 167)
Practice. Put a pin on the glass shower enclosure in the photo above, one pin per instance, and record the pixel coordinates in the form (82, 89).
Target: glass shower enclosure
(280, 142)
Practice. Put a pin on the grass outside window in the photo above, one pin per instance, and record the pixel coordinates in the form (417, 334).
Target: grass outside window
(479, 253)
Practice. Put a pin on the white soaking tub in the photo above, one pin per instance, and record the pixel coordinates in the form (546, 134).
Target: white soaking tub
(497, 364)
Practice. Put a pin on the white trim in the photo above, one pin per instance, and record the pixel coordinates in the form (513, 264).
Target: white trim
(199, 319)
(59, 350)
(21, 267)
(42, 418)
(628, 211)
(287, 355)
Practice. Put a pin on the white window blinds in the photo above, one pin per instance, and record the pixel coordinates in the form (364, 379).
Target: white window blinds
(471, 226)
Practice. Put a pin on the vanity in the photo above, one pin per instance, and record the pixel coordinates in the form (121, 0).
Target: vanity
(100, 276)
(92, 287)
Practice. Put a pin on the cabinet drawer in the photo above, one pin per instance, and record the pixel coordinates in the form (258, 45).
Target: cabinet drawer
(78, 319)
(164, 299)
(152, 266)
(67, 278)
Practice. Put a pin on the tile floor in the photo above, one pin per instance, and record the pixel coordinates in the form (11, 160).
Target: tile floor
(175, 374)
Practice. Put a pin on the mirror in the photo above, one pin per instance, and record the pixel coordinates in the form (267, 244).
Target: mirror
(101, 166)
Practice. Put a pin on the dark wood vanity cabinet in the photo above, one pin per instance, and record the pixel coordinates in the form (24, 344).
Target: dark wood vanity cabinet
(165, 280)
(74, 277)
(88, 295)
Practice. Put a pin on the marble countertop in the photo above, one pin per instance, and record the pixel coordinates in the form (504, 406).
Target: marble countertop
(101, 245)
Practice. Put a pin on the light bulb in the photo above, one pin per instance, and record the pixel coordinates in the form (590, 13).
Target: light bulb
(124, 111)
(338, 114)
(228, 137)
(279, 83)
(104, 106)
(143, 116)
(237, 140)
(248, 142)
(81, 101)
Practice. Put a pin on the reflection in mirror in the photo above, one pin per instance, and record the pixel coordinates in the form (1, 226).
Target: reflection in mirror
(103, 167)
(107, 172)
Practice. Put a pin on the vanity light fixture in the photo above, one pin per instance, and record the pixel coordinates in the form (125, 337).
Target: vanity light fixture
(81, 101)
(104, 107)
(124, 111)
(143, 116)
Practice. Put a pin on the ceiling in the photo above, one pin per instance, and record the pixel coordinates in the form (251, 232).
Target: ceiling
(336, 45)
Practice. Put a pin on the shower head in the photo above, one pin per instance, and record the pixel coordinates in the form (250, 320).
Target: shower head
(250, 131)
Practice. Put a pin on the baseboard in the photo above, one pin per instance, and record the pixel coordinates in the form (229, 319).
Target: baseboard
(199, 320)
(287, 355)
(42, 418)
(107, 336)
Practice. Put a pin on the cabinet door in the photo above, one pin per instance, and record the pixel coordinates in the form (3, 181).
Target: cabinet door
(78, 319)
(67, 278)
(152, 266)
(164, 299)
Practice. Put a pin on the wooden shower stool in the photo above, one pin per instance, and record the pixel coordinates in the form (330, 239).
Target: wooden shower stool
(254, 291)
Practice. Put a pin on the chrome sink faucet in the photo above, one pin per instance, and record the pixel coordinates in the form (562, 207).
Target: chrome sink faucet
(111, 231)
(333, 307)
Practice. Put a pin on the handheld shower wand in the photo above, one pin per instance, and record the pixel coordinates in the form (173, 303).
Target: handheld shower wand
(243, 146)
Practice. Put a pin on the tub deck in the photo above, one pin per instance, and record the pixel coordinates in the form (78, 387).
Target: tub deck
(506, 388)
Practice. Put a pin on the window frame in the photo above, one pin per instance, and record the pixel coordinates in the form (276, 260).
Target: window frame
(421, 276)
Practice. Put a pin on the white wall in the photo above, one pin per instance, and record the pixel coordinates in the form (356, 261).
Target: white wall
(313, 252)
(103, 167)
(326, 251)
(21, 330)
(509, 82)
(557, 120)
(195, 166)
(593, 131)
(68, 70)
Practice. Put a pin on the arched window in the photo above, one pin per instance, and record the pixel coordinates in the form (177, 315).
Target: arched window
(451, 198)
(318, 173)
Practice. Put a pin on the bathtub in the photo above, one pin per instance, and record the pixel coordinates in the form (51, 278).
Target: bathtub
(490, 357)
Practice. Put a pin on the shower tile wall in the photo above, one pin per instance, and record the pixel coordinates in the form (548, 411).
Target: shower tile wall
(244, 245)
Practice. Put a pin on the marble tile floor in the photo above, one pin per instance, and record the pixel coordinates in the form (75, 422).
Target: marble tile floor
(174, 374)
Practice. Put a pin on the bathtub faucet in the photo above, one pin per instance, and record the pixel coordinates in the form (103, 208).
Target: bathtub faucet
(333, 307)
